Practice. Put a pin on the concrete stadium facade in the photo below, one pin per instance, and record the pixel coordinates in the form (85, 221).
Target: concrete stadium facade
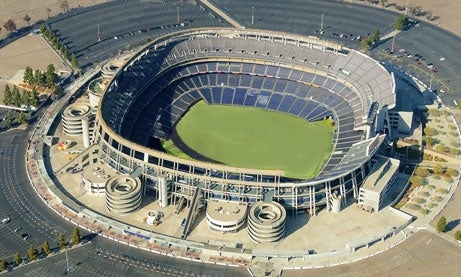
(154, 88)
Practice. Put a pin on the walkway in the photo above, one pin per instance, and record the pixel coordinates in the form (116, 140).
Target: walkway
(222, 14)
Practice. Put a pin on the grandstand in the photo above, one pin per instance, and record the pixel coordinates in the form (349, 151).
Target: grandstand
(302, 76)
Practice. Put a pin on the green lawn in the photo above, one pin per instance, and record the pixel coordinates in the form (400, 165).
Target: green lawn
(256, 138)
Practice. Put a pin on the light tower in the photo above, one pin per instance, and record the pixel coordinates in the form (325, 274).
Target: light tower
(177, 14)
(99, 34)
(321, 23)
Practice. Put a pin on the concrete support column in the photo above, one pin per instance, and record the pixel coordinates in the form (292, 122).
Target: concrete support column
(86, 131)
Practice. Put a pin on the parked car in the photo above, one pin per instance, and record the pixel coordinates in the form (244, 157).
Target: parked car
(17, 229)
(6, 220)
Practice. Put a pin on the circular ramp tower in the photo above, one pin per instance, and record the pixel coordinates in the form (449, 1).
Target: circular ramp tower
(75, 117)
(123, 194)
(266, 222)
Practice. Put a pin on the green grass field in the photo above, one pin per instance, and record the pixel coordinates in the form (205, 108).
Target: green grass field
(256, 138)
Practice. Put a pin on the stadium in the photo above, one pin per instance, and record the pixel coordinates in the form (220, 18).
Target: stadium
(301, 76)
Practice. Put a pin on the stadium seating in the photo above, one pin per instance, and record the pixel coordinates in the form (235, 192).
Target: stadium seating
(156, 89)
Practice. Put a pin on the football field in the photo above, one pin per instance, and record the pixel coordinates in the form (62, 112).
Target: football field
(256, 138)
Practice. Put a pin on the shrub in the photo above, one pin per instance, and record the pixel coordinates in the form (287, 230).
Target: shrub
(429, 131)
(452, 172)
(414, 206)
(440, 159)
(421, 172)
(420, 200)
(431, 187)
(417, 181)
(428, 157)
(453, 133)
(437, 198)
(437, 169)
(442, 148)
(442, 225)
(458, 235)
(442, 191)
(424, 193)
(454, 151)
(432, 205)
(424, 211)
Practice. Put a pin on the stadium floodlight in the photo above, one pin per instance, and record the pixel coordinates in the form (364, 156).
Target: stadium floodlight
(177, 14)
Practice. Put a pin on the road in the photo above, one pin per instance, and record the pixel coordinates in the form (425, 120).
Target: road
(19, 202)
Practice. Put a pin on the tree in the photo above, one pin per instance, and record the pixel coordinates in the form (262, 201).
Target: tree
(458, 235)
(22, 118)
(76, 237)
(25, 98)
(65, 6)
(442, 225)
(34, 97)
(17, 258)
(65, 52)
(38, 77)
(9, 120)
(376, 36)
(401, 22)
(28, 75)
(46, 247)
(366, 43)
(3, 265)
(16, 96)
(50, 76)
(32, 253)
(62, 241)
(74, 61)
(58, 91)
(26, 18)
(7, 96)
(10, 25)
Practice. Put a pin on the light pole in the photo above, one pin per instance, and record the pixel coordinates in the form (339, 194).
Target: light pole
(430, 82)
(67, 262)
(392, 48)
(99, 34)
(177, 14)
(406, 7)
(321, 23)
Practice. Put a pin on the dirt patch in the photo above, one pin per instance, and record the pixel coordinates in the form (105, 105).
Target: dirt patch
(444, 12)
(30, 50)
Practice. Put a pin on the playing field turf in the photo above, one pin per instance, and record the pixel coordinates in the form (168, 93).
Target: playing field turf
(256, 138)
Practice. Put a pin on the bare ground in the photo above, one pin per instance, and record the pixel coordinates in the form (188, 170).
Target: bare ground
(445, 13)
